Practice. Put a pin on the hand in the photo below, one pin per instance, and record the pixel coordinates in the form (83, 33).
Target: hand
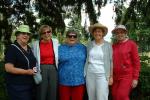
(35, 69)
(30, 72)
(110, 81)
(134, 83)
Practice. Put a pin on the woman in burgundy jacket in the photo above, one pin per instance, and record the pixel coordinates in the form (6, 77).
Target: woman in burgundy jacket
(126, 64)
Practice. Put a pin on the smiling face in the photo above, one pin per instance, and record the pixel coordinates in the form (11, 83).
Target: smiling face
(98, 34)
(120, 34)
(46, 34)
(23, 38)
(71, 38)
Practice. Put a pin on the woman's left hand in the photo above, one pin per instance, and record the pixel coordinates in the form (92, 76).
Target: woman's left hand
(134, 83)
(110, 81)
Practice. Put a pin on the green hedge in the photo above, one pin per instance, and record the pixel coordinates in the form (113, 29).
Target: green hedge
(3, 95)
(142, 92)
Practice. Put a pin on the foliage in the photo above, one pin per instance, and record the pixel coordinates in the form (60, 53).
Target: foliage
(13, 13)
(3, 94)
(144, 81)
(51, 12)
(137, 19)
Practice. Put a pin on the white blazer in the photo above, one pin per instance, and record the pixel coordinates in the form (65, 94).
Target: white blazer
(36, 51)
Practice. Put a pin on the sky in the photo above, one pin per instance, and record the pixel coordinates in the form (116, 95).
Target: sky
(106, 18)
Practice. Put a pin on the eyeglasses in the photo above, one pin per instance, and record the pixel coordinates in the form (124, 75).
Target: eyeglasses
(72, 36)
(47, 32)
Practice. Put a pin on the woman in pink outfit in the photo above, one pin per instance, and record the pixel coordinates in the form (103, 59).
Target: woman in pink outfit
(126, 64)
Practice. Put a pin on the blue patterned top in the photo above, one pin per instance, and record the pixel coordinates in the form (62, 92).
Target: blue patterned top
(71, 64)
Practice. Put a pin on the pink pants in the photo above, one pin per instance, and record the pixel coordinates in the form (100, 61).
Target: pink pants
(121, 89)
(71, 92)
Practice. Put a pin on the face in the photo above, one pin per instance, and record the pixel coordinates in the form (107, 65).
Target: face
(46, 34)
(23, 37)
(71, 38)
(98, 34)
(120, 34)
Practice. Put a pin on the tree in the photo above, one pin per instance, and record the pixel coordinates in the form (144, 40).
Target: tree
(52, 12)
(13, 13)
(137, 19)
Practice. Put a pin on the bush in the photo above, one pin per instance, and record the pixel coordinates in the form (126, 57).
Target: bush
(3, 95)
(142, 92)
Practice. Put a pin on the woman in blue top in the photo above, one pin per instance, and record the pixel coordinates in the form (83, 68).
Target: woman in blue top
(72, 57)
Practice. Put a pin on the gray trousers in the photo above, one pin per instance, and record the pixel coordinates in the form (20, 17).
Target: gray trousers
(47, 89)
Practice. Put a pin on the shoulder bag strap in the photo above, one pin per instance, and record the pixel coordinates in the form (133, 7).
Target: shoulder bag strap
(22, 53)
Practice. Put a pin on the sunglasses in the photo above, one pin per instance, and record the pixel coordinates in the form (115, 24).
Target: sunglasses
(47, 32)
(72, 36)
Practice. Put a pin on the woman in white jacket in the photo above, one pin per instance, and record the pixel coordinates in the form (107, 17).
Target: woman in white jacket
(46, 52)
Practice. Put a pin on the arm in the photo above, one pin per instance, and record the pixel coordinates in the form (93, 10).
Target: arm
(11, 60)
(11, 69)
(135, 64)
(87, 57)
(111, 67)
(135, 61)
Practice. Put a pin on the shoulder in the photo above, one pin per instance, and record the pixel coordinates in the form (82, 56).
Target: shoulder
(55, 40)
(62, 46)
(107, 43)
(115, 44)
(89, 43)
(10, 47)
(131, 42)
(81, 45)
(35, 42)
(11, 50)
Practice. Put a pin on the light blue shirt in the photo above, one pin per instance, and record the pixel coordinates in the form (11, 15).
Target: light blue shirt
(71, 64)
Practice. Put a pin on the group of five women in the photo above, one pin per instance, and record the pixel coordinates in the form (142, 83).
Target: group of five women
(72, 67)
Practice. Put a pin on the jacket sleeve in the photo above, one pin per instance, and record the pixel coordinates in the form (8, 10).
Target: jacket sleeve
(135, 61)
(36, 51)
(111, 61)
(87, 57)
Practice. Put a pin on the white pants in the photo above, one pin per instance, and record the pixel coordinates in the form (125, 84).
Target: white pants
(97, 86)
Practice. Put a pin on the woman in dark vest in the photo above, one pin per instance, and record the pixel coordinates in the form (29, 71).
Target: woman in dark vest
(19, 65)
